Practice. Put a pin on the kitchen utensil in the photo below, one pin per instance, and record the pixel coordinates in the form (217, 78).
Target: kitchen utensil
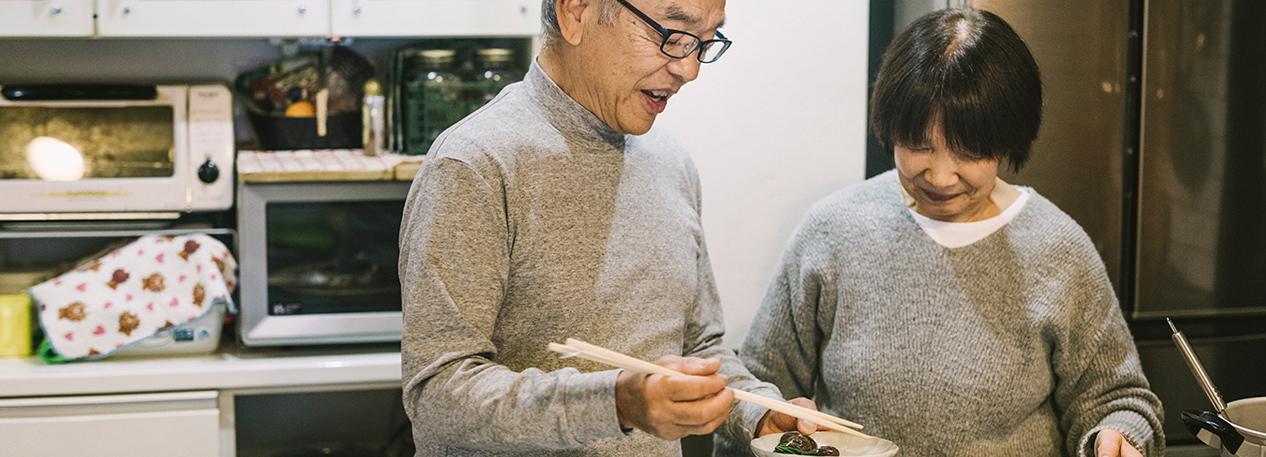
(1238, 428)
(1197, 369)
(577, 348)
(848, 445)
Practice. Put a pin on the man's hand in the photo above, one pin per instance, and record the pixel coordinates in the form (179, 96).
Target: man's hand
(1110, 443)
(776, 422)
(671, 407)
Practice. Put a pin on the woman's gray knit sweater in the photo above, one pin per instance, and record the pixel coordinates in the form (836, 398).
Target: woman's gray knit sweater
(1011, 346)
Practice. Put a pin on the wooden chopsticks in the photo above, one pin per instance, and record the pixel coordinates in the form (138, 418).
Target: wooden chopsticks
(577, 348)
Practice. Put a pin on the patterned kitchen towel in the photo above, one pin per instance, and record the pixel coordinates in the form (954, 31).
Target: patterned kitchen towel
(134, 292)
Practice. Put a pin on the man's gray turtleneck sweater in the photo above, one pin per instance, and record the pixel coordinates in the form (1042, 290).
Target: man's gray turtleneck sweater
(533, 221)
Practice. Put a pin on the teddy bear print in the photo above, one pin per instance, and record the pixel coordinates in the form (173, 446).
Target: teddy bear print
(128, 322)
(166, 325)
(199, 293)
(153, 283)
(74, 312)
(219, 264)
(191, 247)
(92, 352)
(119, 277)
(93, 267)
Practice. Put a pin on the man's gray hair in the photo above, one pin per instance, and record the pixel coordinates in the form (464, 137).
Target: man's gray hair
(549, 18)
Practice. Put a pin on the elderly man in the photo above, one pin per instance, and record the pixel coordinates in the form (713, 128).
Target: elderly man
(556, 211)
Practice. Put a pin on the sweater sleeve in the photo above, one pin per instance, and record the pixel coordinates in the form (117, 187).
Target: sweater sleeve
(454, 266)
(782, 344)
(1100, 380)
(704, 329)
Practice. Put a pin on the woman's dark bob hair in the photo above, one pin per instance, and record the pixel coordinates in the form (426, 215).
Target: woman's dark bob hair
(969, 71)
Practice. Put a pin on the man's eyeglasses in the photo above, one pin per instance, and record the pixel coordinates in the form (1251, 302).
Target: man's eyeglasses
(679, 44)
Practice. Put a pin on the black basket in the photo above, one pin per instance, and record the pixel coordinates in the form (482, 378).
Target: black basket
(342, 131)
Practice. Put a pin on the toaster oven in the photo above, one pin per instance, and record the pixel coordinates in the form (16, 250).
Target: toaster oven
(120, 151)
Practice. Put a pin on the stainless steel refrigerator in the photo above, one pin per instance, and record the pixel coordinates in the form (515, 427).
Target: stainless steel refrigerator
(1154, 140)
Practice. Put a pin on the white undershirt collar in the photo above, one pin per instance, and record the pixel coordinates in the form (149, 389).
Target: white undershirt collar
(959, 234)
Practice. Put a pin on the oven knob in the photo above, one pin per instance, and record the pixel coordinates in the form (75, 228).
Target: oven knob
(208, 172)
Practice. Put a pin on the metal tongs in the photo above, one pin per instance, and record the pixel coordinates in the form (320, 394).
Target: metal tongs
(1197, 369)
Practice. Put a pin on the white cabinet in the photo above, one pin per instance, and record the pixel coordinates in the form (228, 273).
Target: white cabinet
(403, 18)
(269, 18)
(213, 18)
(64, 18)
(186, 424)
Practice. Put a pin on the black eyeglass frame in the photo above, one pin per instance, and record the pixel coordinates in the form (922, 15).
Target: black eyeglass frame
(665, 33)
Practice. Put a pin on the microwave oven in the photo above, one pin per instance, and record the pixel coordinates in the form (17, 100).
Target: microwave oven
(116, 151)
(318, 262)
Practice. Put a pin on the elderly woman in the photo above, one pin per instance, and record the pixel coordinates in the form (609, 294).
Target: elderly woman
(944, 309)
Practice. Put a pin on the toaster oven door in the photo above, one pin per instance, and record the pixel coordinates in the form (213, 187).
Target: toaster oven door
(83, 156)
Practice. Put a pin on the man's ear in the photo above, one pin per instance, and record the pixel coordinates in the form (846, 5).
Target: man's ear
(572, 15)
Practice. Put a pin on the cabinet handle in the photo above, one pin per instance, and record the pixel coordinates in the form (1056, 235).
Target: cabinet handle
(303, 9)
(356, 9)
(56, 10)
(127, 10)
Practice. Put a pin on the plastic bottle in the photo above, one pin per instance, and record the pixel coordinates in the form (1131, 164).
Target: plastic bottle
(373, 119)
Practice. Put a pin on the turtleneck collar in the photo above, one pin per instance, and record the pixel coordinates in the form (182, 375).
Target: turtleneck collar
(570, 118)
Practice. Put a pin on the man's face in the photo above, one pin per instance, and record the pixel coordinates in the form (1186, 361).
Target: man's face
(628, 81)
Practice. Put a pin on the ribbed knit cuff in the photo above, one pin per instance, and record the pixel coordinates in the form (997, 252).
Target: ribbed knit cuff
(1131, 425)
(752, 413)
(589, 399)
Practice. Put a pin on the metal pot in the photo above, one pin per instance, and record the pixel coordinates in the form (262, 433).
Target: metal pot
(1240, 430)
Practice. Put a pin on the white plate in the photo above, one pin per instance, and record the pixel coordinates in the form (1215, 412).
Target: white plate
(848, 445)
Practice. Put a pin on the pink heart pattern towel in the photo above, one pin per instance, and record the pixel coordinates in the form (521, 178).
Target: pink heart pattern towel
(134, 292)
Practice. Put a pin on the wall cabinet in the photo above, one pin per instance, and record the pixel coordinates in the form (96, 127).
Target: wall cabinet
(212, 18)
(382, 18)
(268, 18)
(38, 18)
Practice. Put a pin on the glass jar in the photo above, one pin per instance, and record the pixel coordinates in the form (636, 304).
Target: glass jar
(495, 71)
(432, 99)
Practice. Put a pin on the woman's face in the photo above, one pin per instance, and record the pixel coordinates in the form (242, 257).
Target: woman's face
(947, 186)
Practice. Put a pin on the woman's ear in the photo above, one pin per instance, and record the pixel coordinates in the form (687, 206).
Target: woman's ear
(572, 18)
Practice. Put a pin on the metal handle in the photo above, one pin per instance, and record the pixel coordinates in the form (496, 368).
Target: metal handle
(1197, 369)
(127, 10)
(356, 9)
(303, 9)
(55, 10)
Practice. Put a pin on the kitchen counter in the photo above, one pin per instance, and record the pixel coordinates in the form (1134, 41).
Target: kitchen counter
(227, 369)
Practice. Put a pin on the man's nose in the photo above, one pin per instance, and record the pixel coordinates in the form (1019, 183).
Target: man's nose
(686, 68)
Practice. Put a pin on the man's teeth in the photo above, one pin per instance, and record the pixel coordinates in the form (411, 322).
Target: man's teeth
(658, 93)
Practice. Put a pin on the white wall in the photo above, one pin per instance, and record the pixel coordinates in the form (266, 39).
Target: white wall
(778, 123)
(775, 125)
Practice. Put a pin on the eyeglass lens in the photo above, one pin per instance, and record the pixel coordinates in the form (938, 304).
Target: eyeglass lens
(680, 44)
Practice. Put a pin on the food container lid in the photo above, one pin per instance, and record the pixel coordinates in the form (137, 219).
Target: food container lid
(437, 55)
(495, 54)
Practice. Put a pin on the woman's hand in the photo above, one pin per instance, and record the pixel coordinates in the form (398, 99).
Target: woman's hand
(776, 422)
(1110, 443)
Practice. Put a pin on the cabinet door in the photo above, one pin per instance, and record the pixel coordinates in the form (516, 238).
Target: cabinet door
(50, 18)
(184, 424)
(213, 18)
(418, 18)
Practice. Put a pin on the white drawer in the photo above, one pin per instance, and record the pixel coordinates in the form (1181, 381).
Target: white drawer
(166, 424)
